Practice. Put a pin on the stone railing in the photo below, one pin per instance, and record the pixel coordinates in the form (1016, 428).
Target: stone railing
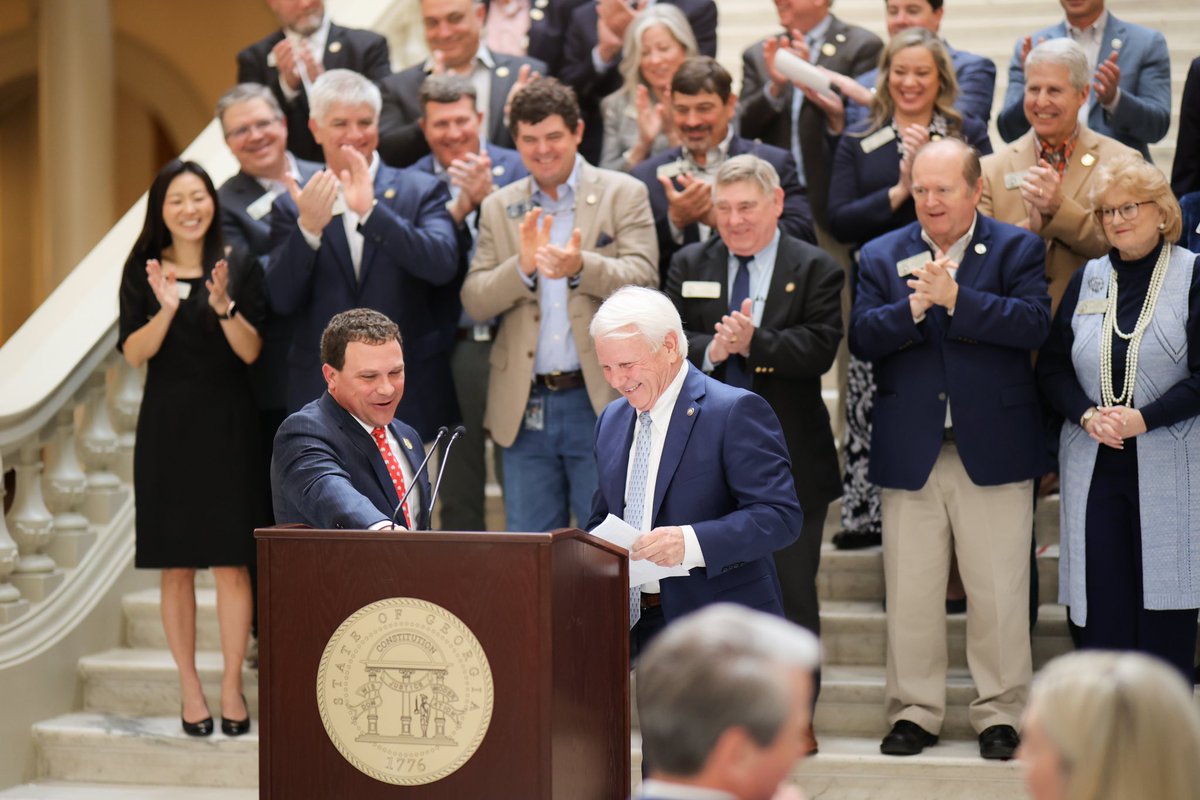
(68, 413)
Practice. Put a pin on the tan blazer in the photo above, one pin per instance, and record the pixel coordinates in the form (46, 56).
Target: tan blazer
(1072, 236)
(612, 212)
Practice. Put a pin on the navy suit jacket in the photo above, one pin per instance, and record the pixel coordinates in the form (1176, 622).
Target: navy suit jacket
(976, 76)
(410, 248)
(1144, 112)
(797, 219)
(725, 471)
(979, 358)
(444, 300)
(1185, 171)
(327, 472)
(401, 140)
(365, 52)
(548, 31)
(578, 71)
(859, 209)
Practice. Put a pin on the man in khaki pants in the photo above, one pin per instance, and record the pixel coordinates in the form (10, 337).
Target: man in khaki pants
(949, 308)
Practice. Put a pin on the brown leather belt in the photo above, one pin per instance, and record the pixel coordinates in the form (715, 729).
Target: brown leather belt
(560, 381)
(651, 600)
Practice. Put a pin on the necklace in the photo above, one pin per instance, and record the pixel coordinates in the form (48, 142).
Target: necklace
(1109, 329)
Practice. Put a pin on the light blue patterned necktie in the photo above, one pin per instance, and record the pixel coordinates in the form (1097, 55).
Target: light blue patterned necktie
(635, 500)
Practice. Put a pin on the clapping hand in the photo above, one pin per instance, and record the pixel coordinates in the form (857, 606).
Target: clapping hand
(933, 283)
(691, 204)
(734, 332)
(357, 187)
(218, 288)
(315, 200)
(560, 262)
(533, 236)
(472, 174)
(162, 283)
(1107, 80)
(1041, 188)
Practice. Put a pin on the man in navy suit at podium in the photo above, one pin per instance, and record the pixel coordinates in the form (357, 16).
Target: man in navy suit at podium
(343, 461)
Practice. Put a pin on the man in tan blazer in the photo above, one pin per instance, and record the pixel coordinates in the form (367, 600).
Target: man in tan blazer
(551, 248)
(1041, 180)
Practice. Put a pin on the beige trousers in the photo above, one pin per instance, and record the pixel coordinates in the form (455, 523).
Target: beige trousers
(989, 527)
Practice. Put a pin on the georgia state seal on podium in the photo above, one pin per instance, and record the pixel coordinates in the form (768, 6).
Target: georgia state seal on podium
(404, 691)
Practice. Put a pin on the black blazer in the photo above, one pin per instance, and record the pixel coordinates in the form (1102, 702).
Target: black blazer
(548, 21)
(592, 87)
(795, 345)
(346, 48)
(401, 141)
(856, 50)
(1185, 174)
(797, 218)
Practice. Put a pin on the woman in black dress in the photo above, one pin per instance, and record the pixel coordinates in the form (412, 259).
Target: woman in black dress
(192, 318)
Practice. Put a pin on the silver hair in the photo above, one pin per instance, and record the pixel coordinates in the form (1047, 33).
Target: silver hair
(648, 312)
(1064, 53)
(342, 87)
(747, 167)
(667, 16)
(724, 666)
(243, 93)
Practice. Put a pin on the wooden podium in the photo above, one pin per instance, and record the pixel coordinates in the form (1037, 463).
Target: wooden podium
(549, 610)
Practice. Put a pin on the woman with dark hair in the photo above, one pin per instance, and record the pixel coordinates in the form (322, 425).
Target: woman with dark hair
(192, 318)
(869, 195)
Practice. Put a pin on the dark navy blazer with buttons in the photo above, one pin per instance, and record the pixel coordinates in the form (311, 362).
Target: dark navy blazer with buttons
(978, 358)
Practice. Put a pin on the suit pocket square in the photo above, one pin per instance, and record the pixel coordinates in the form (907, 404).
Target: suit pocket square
(604, 241)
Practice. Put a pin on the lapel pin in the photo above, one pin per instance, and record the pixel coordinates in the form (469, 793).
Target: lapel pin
(536, 14)
(1087, 160)
(389, 194)
(1116, 44)
(541, 3)
(790, 287)
(407, 443)
(841, 38)
(335, 47)
(498, 170)
(828, 49)
(591, 199)
(691, 410)
(981, 248)
(502, 72)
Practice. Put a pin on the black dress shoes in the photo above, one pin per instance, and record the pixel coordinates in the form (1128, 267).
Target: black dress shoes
(999, 742)
(202, 728)
(906, 739)
(236, 727)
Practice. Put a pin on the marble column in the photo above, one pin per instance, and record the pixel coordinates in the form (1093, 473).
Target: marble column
(76, 121)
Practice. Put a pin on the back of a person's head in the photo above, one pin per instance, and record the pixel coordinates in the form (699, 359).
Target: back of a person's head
(1125, 726)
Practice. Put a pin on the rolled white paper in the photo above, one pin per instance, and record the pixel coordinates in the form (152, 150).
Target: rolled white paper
(798, 70)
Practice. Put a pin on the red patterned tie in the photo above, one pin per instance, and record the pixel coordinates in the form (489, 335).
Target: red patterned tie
(389, 458)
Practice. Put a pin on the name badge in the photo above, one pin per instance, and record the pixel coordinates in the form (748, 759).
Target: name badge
(1013, 180)
(261, 207)
(905, 267)
(1097, 305)
(184, 290)
(518, 210)
(878, 139)
(709, 290)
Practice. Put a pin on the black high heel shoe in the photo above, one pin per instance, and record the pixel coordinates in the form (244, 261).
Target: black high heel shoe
(202, 728)
(236, 727)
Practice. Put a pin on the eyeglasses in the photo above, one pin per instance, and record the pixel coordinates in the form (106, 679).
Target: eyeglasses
(1128, 211)
(243, 131)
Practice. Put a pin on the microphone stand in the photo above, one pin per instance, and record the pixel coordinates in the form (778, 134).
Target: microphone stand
(458, 431)
(442, 431)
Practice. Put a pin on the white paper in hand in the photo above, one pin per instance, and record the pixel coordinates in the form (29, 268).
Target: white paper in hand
(617, 531)
(797, 70)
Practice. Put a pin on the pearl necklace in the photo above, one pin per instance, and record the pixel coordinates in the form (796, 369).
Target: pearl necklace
(1109, 329)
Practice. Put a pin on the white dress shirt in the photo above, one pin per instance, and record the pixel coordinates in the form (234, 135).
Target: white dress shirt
(350, 220)
(660, 421)
(955, 253)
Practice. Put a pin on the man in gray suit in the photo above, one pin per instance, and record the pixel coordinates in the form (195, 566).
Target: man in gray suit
(454, 34)
(723, 695)
(1131, 81)
(778, 112)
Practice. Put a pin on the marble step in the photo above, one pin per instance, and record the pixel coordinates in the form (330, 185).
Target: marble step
(858, 574)
(144, 682)
(853, 633)
(852, 698)
(66, 790)
(102, 748)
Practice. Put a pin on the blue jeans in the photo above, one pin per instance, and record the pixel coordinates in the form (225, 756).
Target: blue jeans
(552, 472)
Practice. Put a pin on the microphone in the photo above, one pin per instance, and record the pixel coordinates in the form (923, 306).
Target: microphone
(458, 431)
(442, 431)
